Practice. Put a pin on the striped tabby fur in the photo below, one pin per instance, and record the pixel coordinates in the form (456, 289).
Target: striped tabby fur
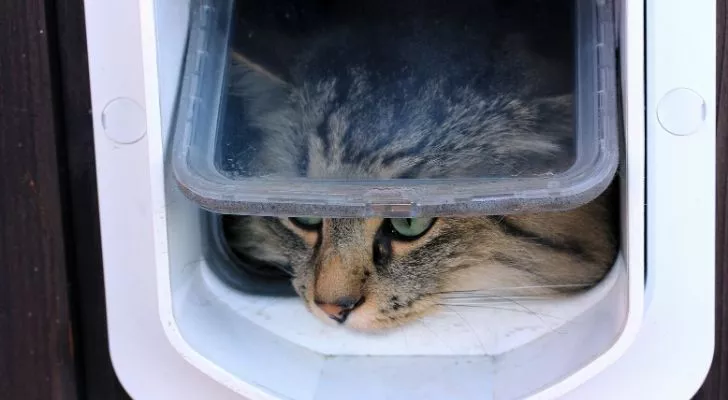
(415, 95)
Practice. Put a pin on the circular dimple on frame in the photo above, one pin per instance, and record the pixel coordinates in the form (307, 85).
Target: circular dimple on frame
(124, 121)
(681, 111)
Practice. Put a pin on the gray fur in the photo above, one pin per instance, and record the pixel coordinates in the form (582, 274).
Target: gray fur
(358, 125)
(418, 106)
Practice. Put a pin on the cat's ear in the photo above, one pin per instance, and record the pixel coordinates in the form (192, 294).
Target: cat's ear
(556, 106)
(264, 49)
(268, 36)
(555, 117)
(274, 75)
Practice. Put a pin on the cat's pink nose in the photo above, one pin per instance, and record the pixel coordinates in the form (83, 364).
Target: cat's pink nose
(341, 308)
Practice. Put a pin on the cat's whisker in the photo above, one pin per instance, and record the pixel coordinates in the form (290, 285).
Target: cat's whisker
(487, 306)
(504, 288)
(490, 307)
(521, 308)
(491, 298)
(519, 304)
(465, 321)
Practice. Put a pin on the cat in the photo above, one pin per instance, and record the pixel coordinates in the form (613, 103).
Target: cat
(396, 92)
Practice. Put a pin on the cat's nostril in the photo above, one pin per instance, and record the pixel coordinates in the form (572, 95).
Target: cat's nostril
(349, 302)
(341, 308)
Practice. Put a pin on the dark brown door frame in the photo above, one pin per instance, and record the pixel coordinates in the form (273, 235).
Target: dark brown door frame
(53, 341)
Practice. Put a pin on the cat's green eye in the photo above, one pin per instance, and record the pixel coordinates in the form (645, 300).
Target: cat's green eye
(307, 222)
(411, 228)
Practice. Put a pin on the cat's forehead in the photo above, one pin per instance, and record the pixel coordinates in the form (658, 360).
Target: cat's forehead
(341, 230)
(356, 121)
(343, 226)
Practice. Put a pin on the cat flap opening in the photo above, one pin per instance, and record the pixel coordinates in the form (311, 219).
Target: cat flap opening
(323, 108)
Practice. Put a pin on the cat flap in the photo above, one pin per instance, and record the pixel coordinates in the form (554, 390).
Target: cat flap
(310, 107)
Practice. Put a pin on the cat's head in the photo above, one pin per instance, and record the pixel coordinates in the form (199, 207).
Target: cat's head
(368, 104)
(374, 273)
(418, 98)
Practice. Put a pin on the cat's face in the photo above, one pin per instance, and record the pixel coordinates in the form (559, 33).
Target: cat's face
(365, 103)
(369, 274)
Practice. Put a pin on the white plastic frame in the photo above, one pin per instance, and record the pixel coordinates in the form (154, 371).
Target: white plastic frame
(132, 204)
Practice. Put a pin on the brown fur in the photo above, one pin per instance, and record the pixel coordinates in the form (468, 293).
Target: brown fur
(414, 97)
(553, 254)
